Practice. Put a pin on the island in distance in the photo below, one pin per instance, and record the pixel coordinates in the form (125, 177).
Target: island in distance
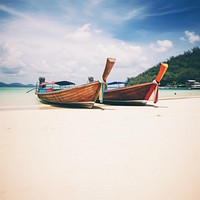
(15, 85)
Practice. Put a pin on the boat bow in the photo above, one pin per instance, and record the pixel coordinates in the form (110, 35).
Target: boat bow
(155, 86)
(109, 65)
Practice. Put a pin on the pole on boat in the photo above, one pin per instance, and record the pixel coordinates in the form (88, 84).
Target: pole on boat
(30, 90)
(109, 65)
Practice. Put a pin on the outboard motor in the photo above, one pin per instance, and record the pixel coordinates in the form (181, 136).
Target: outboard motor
(91, 79)
(41, 80)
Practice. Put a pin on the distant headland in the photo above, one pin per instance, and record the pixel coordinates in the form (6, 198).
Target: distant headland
(15, 85)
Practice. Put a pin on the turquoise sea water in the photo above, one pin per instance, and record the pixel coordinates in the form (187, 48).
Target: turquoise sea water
(177, 92)
(18, 96)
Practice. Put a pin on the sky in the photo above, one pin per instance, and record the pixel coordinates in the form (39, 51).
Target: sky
(71, 39)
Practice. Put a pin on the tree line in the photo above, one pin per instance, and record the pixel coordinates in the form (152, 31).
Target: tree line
(181, 68)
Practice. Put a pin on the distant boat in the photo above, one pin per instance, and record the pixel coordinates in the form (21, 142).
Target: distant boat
(136, 94)
(195, 86)
(78, 96)
(192, 84)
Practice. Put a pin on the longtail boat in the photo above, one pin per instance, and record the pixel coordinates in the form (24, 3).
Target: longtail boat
(77, 96)
(135, 94)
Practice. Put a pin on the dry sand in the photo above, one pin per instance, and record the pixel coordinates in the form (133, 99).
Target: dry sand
(106, 153)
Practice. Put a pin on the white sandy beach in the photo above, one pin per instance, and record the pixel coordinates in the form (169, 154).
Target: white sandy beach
(106, 153)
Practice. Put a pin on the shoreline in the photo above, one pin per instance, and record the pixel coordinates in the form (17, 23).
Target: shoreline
(43, 106)
(178, 97)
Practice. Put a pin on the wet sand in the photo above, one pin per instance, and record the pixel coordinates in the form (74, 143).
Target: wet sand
(108, 153)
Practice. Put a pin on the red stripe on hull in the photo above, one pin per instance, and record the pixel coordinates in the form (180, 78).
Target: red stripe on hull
(153, 86)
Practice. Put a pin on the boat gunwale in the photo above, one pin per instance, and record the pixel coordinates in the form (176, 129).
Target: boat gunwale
(68, 89)
(129, 87)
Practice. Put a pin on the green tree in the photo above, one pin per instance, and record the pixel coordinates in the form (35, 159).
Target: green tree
(181, 68)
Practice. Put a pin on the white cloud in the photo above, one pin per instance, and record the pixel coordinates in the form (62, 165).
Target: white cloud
(161, 46)
(38, 46)
(10, 59)
(133, 13)
(81, 34)
(12, 12)
(192, 37)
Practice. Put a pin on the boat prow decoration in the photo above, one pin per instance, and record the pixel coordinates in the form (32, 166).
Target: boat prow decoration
(154, 88)
(109, 65)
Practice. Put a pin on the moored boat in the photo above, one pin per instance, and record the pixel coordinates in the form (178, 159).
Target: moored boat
(135, 94)
(77, 96)
(196, 86)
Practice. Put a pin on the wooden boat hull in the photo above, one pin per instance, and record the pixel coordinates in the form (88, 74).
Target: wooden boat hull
(81, 96)
(130, 95)
(136, 94)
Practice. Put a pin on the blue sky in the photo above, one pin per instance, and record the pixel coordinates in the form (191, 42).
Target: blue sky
(71, 39)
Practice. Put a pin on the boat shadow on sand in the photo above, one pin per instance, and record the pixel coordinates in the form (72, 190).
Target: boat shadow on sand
(72, 106)
(103, 106)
